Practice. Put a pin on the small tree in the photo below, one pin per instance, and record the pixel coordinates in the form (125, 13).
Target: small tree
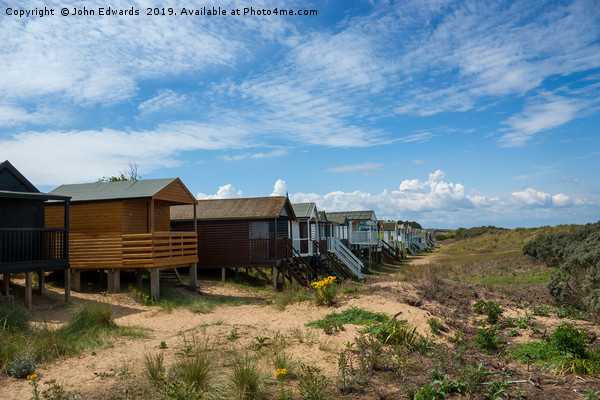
(132, 175)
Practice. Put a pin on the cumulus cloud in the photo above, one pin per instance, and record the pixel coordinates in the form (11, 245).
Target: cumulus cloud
(225, 192)
(280, 188)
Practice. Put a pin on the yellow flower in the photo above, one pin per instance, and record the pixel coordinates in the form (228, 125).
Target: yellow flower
(281, 373)
(32, 376)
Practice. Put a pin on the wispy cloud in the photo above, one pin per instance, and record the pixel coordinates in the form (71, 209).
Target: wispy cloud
(364, 167)
(536, 118)
(270, 154)
(99, 153)
(165, 99)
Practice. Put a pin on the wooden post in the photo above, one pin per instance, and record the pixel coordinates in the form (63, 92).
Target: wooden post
(28, 294)
(222, 274)
(152, 215)
(101, 276)
(155, 283)
(41, 281)
(114, 280)
(6, 278)
(67, 285)
(194, 276)
(139, 273)
(275, 277)
(76, 280)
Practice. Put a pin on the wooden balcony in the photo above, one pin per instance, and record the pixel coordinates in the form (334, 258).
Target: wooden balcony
(32, 249)
(144, 250)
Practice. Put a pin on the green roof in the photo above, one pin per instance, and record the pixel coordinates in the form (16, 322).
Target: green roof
(303, 210)
(352, 215)
(145, 188)
(340, 220)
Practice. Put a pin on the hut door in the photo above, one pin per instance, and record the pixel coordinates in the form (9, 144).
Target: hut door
(259, 240)
(303, 237)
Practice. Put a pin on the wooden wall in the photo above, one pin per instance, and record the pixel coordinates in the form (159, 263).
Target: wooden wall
(94, 218)
(220, 243)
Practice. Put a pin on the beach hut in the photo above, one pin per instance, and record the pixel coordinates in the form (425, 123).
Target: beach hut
(26, 244)
(362, 233)
(253, 232)
(308, 229)
(122, 225)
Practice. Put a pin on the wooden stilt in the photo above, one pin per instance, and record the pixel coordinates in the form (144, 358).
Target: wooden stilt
(28, 293)
(155, 283)
(101, 276)
(194, 276)
(6, 278)
(222, 274)
(114, 280)
(139, 274)
(67, 285)
(275, 277)
(76, 280)
(41, 281)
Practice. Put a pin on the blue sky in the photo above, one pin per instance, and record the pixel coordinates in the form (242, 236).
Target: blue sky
(449, 113)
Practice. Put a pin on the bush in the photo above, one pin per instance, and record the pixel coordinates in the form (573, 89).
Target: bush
(462, 233)
(487, 340)
(22, 366)
(396, 333)
(325, 291)
(567, 339)
(576, 253)
(491, 309)
(90, 318)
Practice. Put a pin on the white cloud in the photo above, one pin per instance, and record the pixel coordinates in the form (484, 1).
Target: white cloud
(280, 188)
(368, 166)
(569, 179)
(83, 156)
(225, 192)
(533, 197)
(165, 99)
(270, 154)
(560, 200)
(537, 118)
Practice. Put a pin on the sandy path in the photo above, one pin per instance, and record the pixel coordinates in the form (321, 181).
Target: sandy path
(87, 372)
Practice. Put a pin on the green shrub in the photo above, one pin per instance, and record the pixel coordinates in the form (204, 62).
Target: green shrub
(435, 326)
(487, 340)
(395, 332)
(353, 315)
(22, 366)
(491, 309)
(567, 339)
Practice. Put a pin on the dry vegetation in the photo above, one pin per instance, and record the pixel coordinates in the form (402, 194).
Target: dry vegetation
(451, 324)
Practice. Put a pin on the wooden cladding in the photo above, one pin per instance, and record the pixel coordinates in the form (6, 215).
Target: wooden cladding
(160, 249)
(175, 192)
(146, 250)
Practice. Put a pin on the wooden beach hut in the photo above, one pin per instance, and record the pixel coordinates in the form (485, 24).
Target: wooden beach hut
(240, 233)
(126, 225)
(26, 244)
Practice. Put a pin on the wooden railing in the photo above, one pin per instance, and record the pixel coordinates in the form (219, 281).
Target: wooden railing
(32, 245)
(144, 250)
(160, 249)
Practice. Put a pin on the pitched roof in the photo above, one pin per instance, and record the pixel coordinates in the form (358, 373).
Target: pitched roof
(12, 180)
(303, 210)
(244, 208)
(146, 188)
(340, 220)
(353, 215)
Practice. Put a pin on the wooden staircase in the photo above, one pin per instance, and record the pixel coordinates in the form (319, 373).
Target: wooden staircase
(171, 275)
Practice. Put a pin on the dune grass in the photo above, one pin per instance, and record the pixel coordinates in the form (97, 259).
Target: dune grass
(90, 326)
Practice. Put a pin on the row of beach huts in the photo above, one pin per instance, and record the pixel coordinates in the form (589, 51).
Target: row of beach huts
(157, 225)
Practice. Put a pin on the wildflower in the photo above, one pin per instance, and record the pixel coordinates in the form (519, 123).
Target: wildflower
(281, 373)
(32, 377)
